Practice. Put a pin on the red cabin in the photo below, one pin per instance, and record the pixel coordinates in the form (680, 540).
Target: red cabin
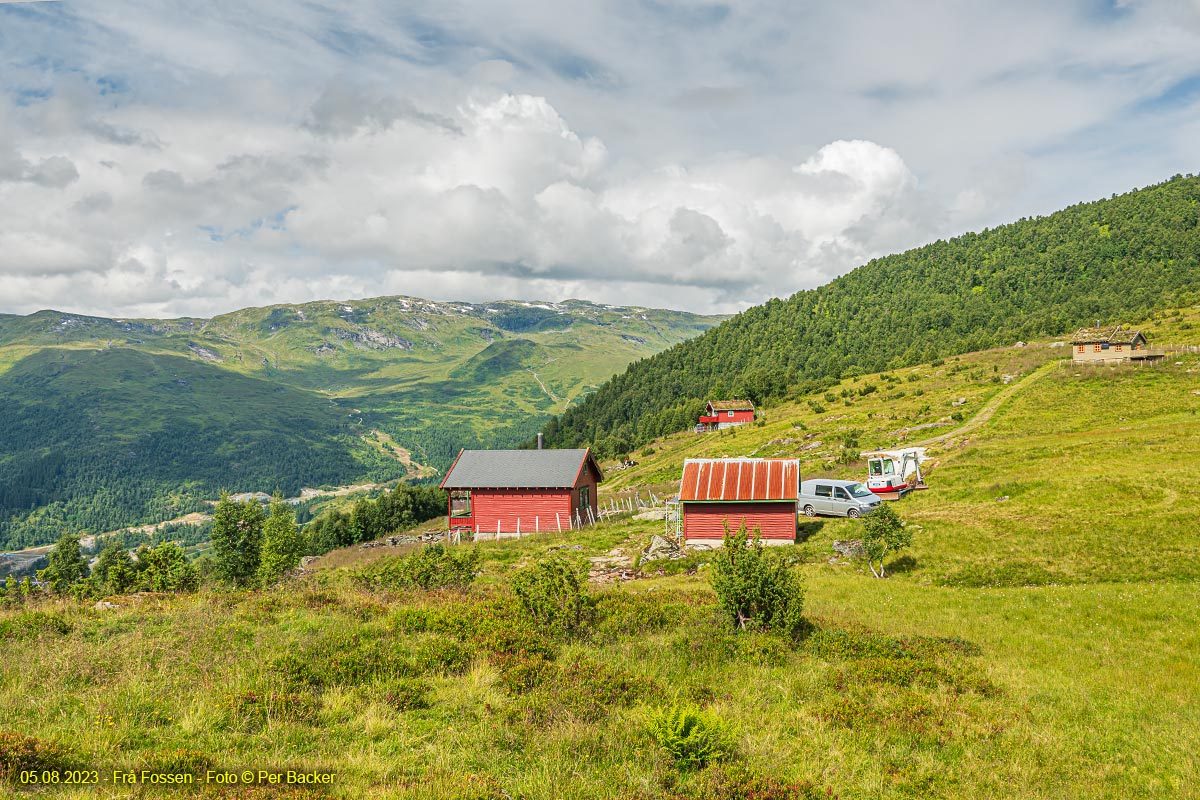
(720, 414)
(522, 491)
(762, 492)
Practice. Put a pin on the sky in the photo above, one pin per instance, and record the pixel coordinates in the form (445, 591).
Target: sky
(161, 158)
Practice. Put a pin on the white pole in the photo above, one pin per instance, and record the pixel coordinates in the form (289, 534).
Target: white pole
(537, 524)
(558, 519)
(518, 527)
(497, 529)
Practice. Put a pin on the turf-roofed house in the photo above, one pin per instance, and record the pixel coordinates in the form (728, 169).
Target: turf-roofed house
(522, 491)
(720, 493)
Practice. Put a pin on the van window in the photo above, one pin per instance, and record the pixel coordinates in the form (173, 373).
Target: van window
(840, 493)
(824, 491)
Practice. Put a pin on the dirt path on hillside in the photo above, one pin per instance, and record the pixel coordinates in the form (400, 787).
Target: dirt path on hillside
(985, 414)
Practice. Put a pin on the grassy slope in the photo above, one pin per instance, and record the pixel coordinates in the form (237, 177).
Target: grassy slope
(1083, 611)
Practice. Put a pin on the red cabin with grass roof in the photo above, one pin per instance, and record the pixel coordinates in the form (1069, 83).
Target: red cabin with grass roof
(503, 492)
(720, 414)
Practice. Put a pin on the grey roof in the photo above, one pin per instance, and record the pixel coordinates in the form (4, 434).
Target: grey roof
(516, 469)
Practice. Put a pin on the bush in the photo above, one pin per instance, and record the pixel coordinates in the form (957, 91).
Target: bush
(583, 690)
(431, 567)
(736, 782)
(33, 625)
(19, 752)
(406, 695)
(693, 738)
(754, 590)
(553, 593)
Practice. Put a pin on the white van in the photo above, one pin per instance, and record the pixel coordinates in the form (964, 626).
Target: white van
(836, 498)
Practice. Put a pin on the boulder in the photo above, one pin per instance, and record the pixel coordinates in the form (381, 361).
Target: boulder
(104, 605)
(660, 548)
(849, 548)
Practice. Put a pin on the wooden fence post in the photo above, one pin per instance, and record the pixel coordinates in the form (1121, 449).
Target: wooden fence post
(558, 519)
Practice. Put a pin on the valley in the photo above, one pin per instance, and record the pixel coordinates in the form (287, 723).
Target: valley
(120, 422)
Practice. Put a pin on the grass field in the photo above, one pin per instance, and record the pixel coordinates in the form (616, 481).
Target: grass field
(1039, 646)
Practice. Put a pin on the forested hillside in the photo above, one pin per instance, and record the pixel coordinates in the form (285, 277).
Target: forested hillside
(114, 422)
(1111, 260)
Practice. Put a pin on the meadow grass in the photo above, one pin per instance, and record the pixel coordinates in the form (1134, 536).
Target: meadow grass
(1040, 646)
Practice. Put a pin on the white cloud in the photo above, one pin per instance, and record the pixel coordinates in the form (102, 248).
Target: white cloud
(188, 159)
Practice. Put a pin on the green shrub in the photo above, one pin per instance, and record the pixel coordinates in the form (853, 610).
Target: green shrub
(553, 593)
(19, 752)
(405, 695)
(583, 690)
(623, 613)
(737, 782)
(693, 738)
(431, 567)
(755, 590)
(441, 655)
(33, 625)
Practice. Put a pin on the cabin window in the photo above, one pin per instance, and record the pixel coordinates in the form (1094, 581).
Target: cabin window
(585, 497)
(460, 503)
(1079, 348)
(1119, 348)
(824, 491)
(1095, 348)
(730, 413)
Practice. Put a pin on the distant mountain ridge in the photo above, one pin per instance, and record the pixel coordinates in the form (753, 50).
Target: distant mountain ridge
(1113, 260)
(116, 421)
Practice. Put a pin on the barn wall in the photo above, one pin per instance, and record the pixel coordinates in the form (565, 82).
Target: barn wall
(588, 478)
(535, 508)
(705, 521)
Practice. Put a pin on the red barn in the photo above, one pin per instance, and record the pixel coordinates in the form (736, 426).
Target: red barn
(724, 413)
(762, 492)
(522, 491)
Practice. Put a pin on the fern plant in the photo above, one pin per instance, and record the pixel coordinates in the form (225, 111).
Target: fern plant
(692, 737)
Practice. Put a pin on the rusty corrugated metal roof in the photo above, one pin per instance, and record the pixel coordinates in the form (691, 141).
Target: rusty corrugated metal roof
(740, 479)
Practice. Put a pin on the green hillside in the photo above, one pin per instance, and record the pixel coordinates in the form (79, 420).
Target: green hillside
(1111, 259)
(1037, 640)
(111, 422)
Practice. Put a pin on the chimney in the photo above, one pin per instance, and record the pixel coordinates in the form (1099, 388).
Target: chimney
(539, 441)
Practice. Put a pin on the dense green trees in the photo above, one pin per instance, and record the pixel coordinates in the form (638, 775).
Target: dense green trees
(1112, 260)
(369, 518)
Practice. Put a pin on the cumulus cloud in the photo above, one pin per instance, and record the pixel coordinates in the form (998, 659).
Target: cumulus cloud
(191, 160)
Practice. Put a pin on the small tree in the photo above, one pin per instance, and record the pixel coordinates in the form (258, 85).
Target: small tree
(237, 540)
(114, 572)
(165, 568)
(553, 593)
(755, 590)
(66, 565)
(884, 534)
(282, 543)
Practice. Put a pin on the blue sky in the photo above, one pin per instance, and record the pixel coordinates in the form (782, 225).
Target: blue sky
(168, 158)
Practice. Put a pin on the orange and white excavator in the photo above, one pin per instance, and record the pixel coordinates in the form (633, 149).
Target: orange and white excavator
(895, 471)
